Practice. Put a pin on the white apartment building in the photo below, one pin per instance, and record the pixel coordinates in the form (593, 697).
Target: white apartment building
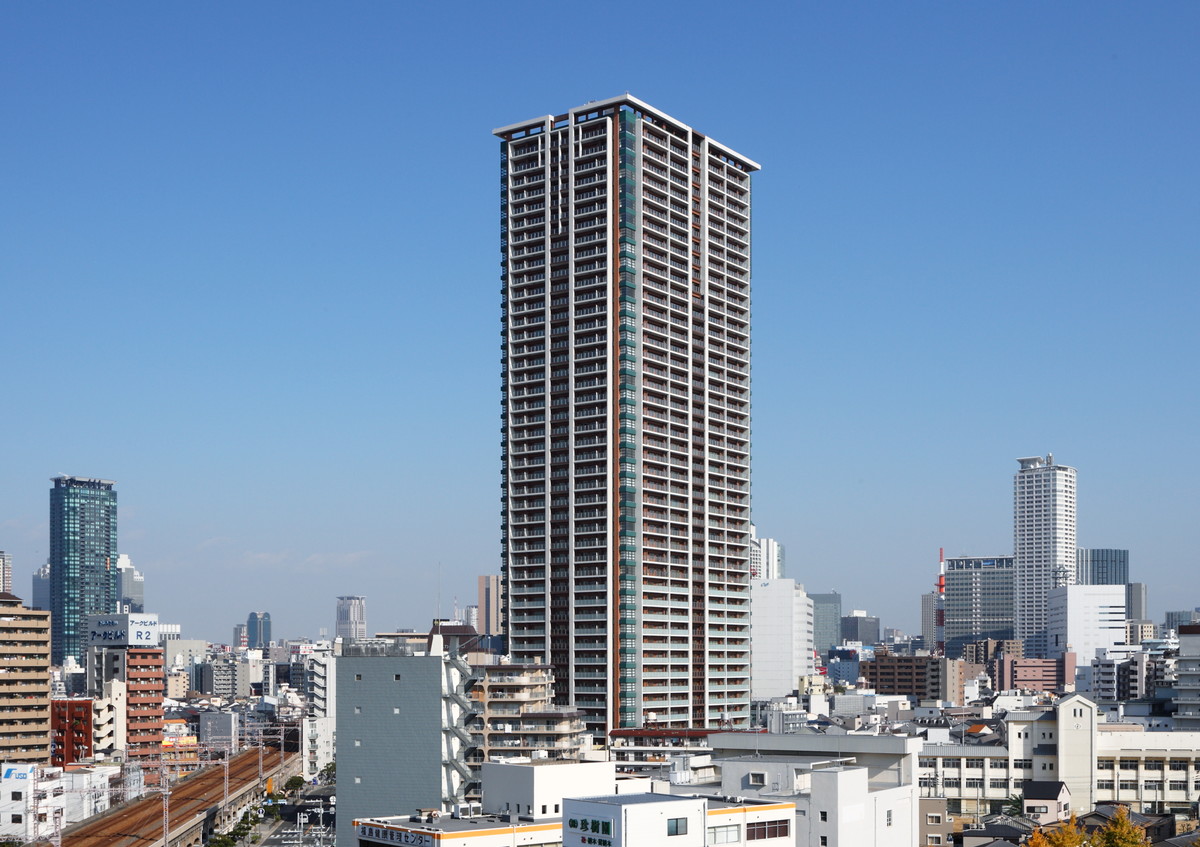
(1043, 544)
(781, 637)
(625, 255)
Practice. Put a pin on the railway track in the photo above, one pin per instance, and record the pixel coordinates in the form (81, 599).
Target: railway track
(139, 824)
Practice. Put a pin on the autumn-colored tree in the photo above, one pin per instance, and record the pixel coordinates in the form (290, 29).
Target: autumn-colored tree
(1037, 840)
(1070, 834)
(1120, 831)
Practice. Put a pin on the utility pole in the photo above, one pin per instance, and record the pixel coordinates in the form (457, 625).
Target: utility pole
(164, 786)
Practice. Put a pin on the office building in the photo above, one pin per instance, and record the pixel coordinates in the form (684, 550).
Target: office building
(490, 606)
(929, 620)
(827, 622)
(1044, 547)
(979, 601)
(1088, 620)
(1136, 602)
(41, 588)
(83, 556)
(860, 627)
(1101, 566)
(766, 557)
(626, 492)
(1175, 620)
(351, 617)
(5, 573)
(131, 587)
(781, 637)
(24, 683)
(258, 630)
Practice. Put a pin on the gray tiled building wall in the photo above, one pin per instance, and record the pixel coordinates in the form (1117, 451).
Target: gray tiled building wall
(389, 737)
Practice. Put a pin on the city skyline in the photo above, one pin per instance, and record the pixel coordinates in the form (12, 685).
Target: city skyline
(956, 201)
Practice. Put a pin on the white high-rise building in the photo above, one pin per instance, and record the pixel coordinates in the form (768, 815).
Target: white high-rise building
(351, 617)
(625, 255)
(1043, 544)
(781, 634)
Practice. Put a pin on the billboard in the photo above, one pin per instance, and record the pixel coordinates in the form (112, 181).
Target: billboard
(127, 630)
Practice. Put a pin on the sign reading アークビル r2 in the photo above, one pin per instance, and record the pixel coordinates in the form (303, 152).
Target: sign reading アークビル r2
(125, 630)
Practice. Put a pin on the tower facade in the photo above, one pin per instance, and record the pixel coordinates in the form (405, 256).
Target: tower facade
(258, 630)
(83, 560)
(1043, 544)
(1101, 566)
(351, 617)
(625, 253)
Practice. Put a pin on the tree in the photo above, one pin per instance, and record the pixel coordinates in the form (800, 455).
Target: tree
(294, 784)
(328, 773)
(1070, 834)
(1037, 840)
(1015, 805)
(1120, 831)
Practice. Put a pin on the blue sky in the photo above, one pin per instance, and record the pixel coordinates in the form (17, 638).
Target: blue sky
(249, 270)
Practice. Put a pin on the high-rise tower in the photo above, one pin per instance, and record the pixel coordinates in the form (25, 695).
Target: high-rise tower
(351, 617)
(1043, 544)
(83, 560)
(258, 630)
(625, 254)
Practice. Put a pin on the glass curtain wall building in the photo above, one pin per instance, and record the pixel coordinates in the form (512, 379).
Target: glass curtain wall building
(625, 254)
(979, 601)
(83, 560)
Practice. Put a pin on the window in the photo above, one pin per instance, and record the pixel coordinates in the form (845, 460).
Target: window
(730, 834)
(17, 819)
(1104, 784)
(824, 840)
(824, 816)
(358, 677)
(1105, 765)
(1038, 810)
(974, 763)
(889, 817)
(933, 820)
(1153, 765)
(358, 742)
(1178, 785)
(395, 710)
(1128, 785)
(951, 763)
(973, 783)
(16, 795)
(1152, 785)
(758, 778)
(952, 783)
(769, 829)
(358, 710)
(1179, 764)
(396, 677)
(1023, 764)
(933, 839)
(676, 826)
(1129, 764)
(927, 763)
(998, 783)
